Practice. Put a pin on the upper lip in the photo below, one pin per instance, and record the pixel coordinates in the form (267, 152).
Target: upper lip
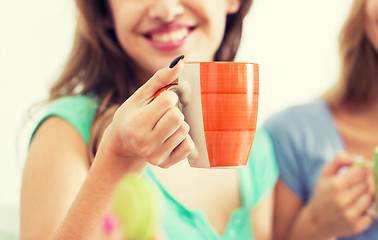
(167, 28)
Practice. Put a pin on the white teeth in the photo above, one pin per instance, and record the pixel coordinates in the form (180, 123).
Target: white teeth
(172, 36)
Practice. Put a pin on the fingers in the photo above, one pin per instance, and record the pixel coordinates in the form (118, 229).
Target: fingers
(354, 175)
(169, 123)
(363, 223)
(140, 128)
(355, 193)
(173, 141)
(180, 153)
(160, 79)
(371, 182)
(359, 203)
(372, 211)
(358, 214)
(161, 107)
(353, 184)
(342, 159)
(168, 134)
(178, 146)
(155, 109)
(362, 204)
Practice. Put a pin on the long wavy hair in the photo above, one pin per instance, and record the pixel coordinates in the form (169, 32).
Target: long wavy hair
(358, 80)
(97, 63)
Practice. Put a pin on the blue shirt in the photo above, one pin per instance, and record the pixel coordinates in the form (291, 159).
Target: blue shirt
(305, 138)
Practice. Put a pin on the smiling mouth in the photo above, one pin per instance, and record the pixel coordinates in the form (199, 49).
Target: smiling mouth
(169, 35)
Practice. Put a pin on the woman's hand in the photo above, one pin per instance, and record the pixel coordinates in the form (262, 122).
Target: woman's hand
(151, 131)
(340, 202)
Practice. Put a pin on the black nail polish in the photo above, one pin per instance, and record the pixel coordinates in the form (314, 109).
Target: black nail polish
(175, 61)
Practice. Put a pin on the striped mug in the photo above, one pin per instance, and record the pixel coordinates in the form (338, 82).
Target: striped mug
(220, 102)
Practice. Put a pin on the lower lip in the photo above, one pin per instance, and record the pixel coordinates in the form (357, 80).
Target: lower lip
(168, 46)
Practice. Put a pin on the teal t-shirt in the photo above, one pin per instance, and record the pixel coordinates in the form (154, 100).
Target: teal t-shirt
(180, 223)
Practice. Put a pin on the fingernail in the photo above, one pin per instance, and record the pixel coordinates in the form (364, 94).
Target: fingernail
(109, 224)
(175, 61)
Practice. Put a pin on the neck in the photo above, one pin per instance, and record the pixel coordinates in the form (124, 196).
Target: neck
(368, 110)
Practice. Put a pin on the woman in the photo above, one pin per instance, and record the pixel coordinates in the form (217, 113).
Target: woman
(101, 124)
(319, 195)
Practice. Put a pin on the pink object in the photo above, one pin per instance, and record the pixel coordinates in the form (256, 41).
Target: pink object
(109, 224)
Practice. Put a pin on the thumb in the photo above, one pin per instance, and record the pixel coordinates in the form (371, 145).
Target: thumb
(160, 79)
(342, 159)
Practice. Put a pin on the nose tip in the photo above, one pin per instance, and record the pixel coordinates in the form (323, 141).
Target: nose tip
(166, 10)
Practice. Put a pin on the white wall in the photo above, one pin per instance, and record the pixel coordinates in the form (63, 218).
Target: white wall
(35, 38)
(296, 44)
(294, 41)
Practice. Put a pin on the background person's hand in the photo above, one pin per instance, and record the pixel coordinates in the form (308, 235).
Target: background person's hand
(340, 202)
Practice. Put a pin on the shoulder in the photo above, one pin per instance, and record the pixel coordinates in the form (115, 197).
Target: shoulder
(298, 120)
(296, 114)
(78, 111)
(298, 129)
(303, 137)
(80, 105)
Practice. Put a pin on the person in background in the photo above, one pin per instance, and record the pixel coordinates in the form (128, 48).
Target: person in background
(101, 124)
(320, 195)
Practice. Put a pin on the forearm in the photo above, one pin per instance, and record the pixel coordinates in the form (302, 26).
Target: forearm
(304, 228)
(84, 219)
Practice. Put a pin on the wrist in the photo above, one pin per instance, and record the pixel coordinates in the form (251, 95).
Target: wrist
(118, 165)
(108, 162)
(306, 227)
(109, 157)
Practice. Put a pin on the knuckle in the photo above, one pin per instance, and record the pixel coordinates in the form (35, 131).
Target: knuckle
(342, 203)
(183, 130)
(368, 199)
(145, 151)
(175, 116)
(186, 127)
(169, 98)
(135, 136)
(350, 216)
(131, 134)
(191, 143)
(156, 161)
(158, 74)
(188, 146)
(164, 165)
(173, 96)
(365, 187)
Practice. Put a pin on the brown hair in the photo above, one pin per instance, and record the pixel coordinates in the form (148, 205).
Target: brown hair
(97, 64)
(359, 60)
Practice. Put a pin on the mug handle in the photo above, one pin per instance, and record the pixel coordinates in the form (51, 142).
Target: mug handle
(184, 93)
